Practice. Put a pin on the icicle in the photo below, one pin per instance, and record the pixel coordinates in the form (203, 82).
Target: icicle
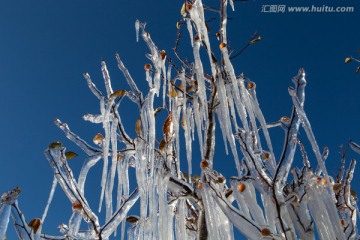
(224, 21)
(129, 79)
(5, 211)
(200, 78)
(137, 26)
(198, 122)
(105, 148)
(106, 77)
(64, 176)
(74, 223)
(92, 86)
(89, 163)
(112, 171)
(51, 195)
(163, 206)
(232, 5)
(261, 119)
(119, 215)
(75, 138)
(175, 120)
(188, 142)
(250, 229)
(181, 219)
(22, 229)
(189, 28)
(223, 113)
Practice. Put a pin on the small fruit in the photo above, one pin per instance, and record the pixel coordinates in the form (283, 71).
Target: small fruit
(147, 67)
(265, 232)
(324, 181)
(204, 164)
(250, 85)
(76, 206)
(163, 54)
(241, 187)
(266, 155)
(347, 60)
(222, 45)
(188, 7)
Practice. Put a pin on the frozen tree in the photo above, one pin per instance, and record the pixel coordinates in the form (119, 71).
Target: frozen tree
(271, 197)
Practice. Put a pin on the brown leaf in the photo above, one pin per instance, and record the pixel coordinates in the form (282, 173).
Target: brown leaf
(157, 110)
(162, 146)
(98, 139)
(138, 126)
(132, 219)
(117, 93)
(167, 125)
(55, 144)
(70, 155)
(35, 224)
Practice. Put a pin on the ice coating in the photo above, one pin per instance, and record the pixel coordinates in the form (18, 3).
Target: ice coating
(143, 166)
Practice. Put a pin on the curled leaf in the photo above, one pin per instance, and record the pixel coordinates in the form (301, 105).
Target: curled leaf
(35, 224)
(167, 127)
(157, 110)
(70, 155)
(98, 139)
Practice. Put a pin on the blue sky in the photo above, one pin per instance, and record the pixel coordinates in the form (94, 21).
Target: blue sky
(46, 45)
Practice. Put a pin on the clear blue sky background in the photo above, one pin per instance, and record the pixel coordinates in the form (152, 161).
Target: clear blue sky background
(46, 45)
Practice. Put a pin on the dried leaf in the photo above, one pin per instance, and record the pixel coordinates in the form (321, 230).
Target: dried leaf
(162, 146)
(138, 126)
(35, 224)
(76, 206)
(183, 9)
(167, 124)
(157, 110)
(347, 60)
(190, 89)
(254, 40)
(117, 93)
(55, 144)
(70, 155)
(132, 219)
(358, 69)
